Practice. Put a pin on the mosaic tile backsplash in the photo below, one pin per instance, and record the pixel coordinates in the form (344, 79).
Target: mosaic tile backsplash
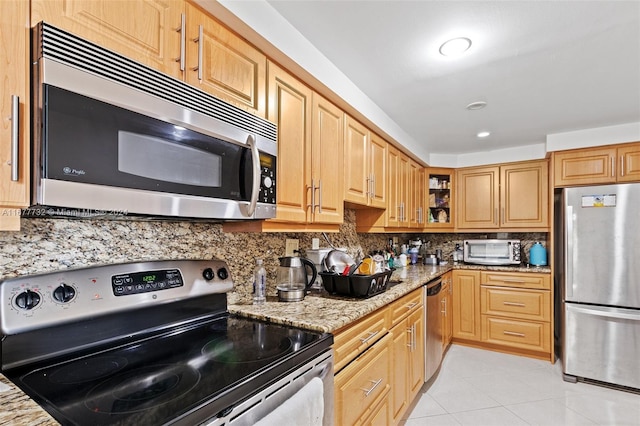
(45, 245)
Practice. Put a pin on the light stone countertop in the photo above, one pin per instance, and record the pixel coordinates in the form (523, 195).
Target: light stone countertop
(327, 313)
(320, 312)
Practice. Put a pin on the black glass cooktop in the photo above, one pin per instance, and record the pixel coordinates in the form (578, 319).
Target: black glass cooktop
(170, 376)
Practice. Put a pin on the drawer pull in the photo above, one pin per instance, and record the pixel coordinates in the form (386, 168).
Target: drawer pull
(372, 334)
(513, 333)
(513, 280)
(367, 392)
(521, 305)
(411, 305)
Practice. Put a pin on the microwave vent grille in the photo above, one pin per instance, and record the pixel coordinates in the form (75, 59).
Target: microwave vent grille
(68, 49)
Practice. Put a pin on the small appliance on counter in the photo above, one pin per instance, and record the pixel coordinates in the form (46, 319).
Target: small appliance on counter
(292, 280)
(492, 252)
(537, 255)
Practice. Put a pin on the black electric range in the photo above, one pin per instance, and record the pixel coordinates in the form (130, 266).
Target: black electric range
(156, 345)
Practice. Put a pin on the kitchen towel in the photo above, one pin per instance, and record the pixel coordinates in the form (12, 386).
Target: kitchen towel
(305, 406)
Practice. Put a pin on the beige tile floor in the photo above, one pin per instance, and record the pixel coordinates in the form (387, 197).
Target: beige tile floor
(484, 388)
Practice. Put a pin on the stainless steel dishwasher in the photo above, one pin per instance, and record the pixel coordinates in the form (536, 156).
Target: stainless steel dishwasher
(433, 321)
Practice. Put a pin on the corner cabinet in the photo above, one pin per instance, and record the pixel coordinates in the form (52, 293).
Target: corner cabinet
(440, 184)
(513, 196)
(601, 165)
(14, 107)
(174, 37)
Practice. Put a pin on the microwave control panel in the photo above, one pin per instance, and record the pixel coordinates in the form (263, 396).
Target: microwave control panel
(267, 179)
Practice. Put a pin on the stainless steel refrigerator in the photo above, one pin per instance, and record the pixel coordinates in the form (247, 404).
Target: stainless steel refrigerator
(598, 273)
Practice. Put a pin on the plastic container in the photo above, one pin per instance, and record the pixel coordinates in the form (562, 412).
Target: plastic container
(360, 286)
(259, 284)
(537, 255)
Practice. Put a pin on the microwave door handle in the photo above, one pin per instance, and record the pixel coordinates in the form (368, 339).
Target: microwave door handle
(255, 191)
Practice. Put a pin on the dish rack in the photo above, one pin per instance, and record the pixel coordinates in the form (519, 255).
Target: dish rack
(361, 286)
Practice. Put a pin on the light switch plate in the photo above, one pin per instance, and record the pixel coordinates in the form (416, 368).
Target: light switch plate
(290, 246)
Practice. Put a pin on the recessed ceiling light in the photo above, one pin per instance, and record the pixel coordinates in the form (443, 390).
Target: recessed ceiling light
(455, 46)
(483, 134)
(476, 105)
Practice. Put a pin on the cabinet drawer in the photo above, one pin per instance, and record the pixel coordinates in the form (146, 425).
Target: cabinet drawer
(402, 307)
(524, 280)
(524, 304)
(361, 385)
(518, 334)
(351, 341)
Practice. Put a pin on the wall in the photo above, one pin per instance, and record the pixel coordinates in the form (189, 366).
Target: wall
(50, 244)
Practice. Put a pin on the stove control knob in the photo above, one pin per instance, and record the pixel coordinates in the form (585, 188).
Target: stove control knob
(64, 293)
(207, 274)
(27, 300)
(223, 274)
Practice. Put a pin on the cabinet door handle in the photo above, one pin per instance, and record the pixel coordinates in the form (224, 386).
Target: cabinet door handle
(513, 333)
(369, 186)
(320, 196)
(521, 305)
(410, 333)
(495, 216)
(622, 165)
(613, 167)
(199, 41)
(183, 41)
(444, 307)
(15, 136)
(367, 392)
(411, 305)
(313, 196)
(373, 185)
(371, 335)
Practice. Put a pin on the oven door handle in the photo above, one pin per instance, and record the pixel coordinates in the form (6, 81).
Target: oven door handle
(255, 191)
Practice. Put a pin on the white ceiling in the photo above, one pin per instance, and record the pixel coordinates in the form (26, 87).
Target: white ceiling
(543, 67)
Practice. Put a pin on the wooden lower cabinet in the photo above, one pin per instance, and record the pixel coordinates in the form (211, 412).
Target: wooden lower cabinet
(408, 362)
(510, 312)
(466, 305)
(363, 387)
(446, 305)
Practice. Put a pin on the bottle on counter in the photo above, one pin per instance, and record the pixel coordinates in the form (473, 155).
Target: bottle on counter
(259, 284)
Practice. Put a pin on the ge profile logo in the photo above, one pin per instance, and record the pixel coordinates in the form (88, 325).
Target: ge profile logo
(66, 170)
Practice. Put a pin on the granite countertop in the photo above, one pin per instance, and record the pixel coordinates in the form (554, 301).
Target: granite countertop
(323, 312)
(318, 311)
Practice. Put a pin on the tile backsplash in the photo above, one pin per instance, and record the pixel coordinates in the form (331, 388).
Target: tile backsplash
(45, 245)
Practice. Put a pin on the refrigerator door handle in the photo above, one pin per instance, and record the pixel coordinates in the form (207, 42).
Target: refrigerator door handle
(568, 255)
(619, 313)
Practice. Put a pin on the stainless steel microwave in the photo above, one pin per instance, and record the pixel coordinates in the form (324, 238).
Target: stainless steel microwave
(114, 137)
(492, 252)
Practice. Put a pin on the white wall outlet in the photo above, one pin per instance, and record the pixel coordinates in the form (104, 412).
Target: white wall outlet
(290, 246)
(315, 243)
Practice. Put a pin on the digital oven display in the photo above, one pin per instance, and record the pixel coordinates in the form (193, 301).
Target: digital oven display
(144, 282)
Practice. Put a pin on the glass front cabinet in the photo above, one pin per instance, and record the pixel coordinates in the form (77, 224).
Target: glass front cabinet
(441, 198)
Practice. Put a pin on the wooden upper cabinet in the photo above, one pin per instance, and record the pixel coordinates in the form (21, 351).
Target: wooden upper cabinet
(290, 108)
(153, 32)
(14, 92)
(146, 31)
(511, 196)
(327, 170)
(478, 197)
(440, 201)
(398, 182)
(611, 164)
(629, 157)
(524, 195)
(357, 160)
(378, 171)
(223, 64)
